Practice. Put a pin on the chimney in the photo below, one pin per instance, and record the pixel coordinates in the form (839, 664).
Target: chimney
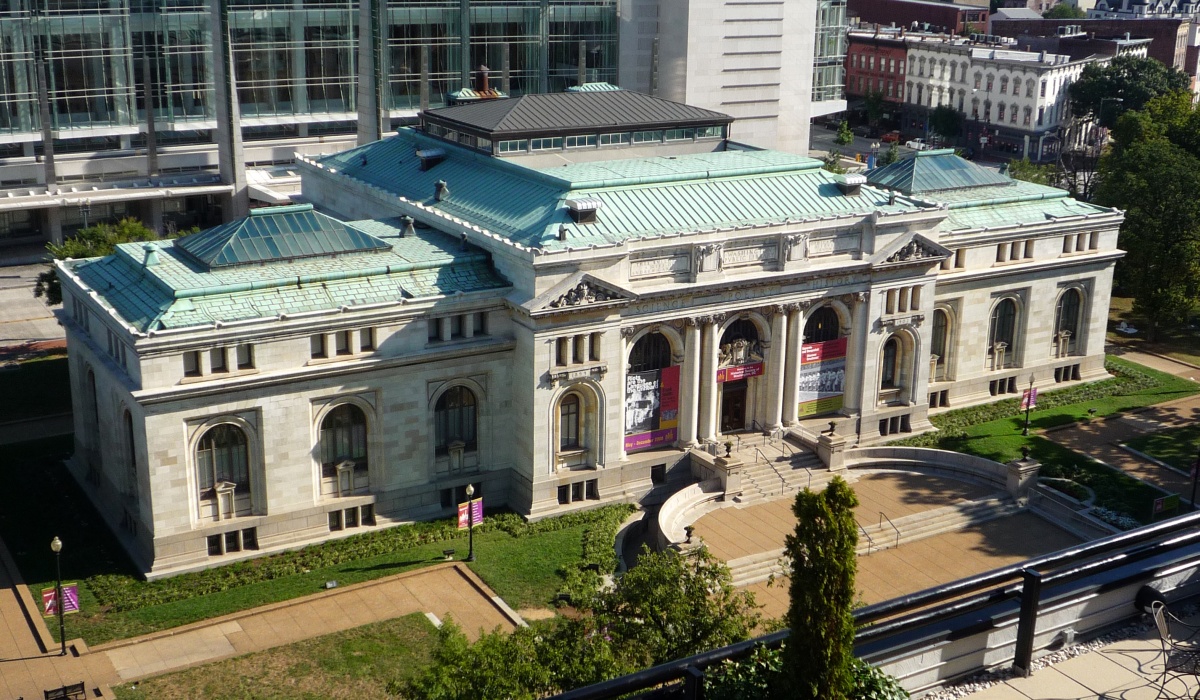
(409, 229)
(481, 79)
(440, 191)
(562, 232)
(850, 185)
(891, 198)
(151, 254)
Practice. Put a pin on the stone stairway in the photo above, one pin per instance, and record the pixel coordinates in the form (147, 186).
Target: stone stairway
(759, 567)
(776, 466)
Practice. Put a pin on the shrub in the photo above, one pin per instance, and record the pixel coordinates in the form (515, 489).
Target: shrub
(759, 676)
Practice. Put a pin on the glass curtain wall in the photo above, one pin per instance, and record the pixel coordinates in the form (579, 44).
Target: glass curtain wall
(18, 94)
(570, 23)
(828, 64)
(88, 52)
(434, 23)
(518, 24)
(184, 80)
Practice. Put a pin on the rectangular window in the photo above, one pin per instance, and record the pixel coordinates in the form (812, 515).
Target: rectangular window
(680, 134)
(434, 329)
(960, 258)
(245, 356)
(580, 355)
(250, 538)
(594, 348)
(1068, 246)
(614, 139)
(335, 520)
(1029, 248)
(316, 345)
(562, 352)
(710, 132)
(581, 141)
(342, 340)
(577, 491)
(479, 323)
(217, 358)
(546, 144)
(367, 514)
(647, 136)
(517, 146)
(593, 489)
(233, 542)
(366, 339)
(564, 495)
(1014, 251)
(1094, 240)
(351, 517)
(456, 326)
(214, 546)
(1001, 252)
(191, 363)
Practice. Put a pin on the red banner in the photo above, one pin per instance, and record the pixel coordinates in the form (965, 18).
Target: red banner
(475, 516)
(668, 398)
(732, 374)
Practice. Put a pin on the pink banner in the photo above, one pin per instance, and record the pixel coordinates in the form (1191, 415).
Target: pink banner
(1029, 399)
(732, 374)
(668, 397)
(654, 438)
(474, 518)
(70, 596)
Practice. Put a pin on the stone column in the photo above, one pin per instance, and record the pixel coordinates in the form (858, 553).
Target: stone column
(708, 380)
(856, 350)
(791, 370)
(775, 363)
(689, 388)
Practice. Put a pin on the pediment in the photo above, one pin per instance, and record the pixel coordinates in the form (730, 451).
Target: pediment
(579, 291)
(913, 250)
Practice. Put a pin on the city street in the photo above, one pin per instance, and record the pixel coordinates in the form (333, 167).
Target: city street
(23, 317)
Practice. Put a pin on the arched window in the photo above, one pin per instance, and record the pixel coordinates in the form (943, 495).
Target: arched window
(223, 455)
(941, 327)
(741, 329)
(1003, 325)
(454, 418)
(1066, 319)
(822, 325)
(651, 351)
(568, 423)
(891, 357)
(343, 437)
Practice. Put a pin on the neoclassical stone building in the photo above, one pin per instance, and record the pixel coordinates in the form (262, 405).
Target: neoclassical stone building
(553, 298)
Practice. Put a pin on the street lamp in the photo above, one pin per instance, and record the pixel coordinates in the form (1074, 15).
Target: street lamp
(85, 209)
(470, 524)
(56, 547)
(874, 154)
(1028, 405)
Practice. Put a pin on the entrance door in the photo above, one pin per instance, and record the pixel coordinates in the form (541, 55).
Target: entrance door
(733, 406)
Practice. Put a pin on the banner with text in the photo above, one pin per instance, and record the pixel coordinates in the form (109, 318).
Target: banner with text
(70, 596)
(474, 517)
(1029, 399)
(651, 408)
(732, 374)
(822, 377)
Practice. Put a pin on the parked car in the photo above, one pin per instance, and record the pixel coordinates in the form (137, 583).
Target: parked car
(891, 137)
(918, 145)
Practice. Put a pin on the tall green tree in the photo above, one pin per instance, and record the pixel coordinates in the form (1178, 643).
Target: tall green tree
(945, 121)
(891, 155)
(819, 656)
(91, 242)
(844, 137)
(1028, 171)
(1104, 92)
(1155, 181)
(1064, 11)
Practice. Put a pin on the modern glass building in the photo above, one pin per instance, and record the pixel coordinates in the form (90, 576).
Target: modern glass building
(182, 112)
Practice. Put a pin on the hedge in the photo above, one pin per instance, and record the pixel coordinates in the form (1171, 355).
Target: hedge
(122, 593)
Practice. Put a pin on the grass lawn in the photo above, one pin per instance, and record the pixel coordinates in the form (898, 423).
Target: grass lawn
(1179, 343)
(994, 431)
(42, 500)
(372, 661)
(43, 384)
(1177, 447)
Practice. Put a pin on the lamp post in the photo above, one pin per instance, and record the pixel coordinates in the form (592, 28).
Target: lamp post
(56, 547)
(1028, 405)
(470, 524)
(85, 209)
(874, 154)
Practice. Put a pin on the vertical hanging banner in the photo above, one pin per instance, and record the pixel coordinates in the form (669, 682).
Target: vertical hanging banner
(822, 377)
(1029, 399)
(651, 408)
(70, 598)
(475, 515)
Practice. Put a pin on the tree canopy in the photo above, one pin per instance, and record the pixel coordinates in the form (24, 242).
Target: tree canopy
(1028, 171)
(1064, 11)
(945, 121)
(844, 136)
(1127, 83)
(91, 242)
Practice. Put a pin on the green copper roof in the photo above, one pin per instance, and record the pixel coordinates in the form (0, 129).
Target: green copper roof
(174, 292)
(273, 234)
(934, 171)
(642, 197)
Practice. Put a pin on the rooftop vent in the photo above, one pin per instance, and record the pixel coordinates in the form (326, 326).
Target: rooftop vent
(584, 209)
(409, 229)
(151, 254)
(430, 157)
(440, 191)
(851, 185)
(562, 232)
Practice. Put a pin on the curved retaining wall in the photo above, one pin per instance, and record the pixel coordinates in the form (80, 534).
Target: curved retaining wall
(674, 512)
(952, 464)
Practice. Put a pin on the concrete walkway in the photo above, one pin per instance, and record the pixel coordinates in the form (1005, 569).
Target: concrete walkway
(26, 668)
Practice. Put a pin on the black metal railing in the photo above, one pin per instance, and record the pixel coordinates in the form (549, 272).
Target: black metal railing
(1027, 581)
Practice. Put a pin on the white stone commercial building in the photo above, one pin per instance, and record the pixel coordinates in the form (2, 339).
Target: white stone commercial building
(553, 298)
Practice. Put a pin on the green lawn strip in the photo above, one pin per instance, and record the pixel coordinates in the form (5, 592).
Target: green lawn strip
(1182, 343)
(372, 661)
(1177, 446)
(43, 385)
(522, 571)
(994, 431)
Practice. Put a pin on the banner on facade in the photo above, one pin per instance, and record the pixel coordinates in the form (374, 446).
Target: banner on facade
(1029, 399)
(474, 516)
(70, 597)
(651, 408)
(822, 377)
(732, 374)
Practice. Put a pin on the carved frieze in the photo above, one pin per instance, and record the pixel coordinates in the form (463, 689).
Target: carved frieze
(581, 295)
(913, 250)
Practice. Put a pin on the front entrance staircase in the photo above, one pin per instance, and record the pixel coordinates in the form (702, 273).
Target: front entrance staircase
(775, 466)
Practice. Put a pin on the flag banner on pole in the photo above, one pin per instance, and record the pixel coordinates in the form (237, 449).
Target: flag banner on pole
(1029, 399)
(476, 515)
(70, 595)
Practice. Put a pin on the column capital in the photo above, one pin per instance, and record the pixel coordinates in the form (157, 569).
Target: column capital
(628, 332)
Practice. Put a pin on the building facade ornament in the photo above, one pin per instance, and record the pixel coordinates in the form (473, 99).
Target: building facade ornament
(913, 250)
(581, 295)
(796, 246)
